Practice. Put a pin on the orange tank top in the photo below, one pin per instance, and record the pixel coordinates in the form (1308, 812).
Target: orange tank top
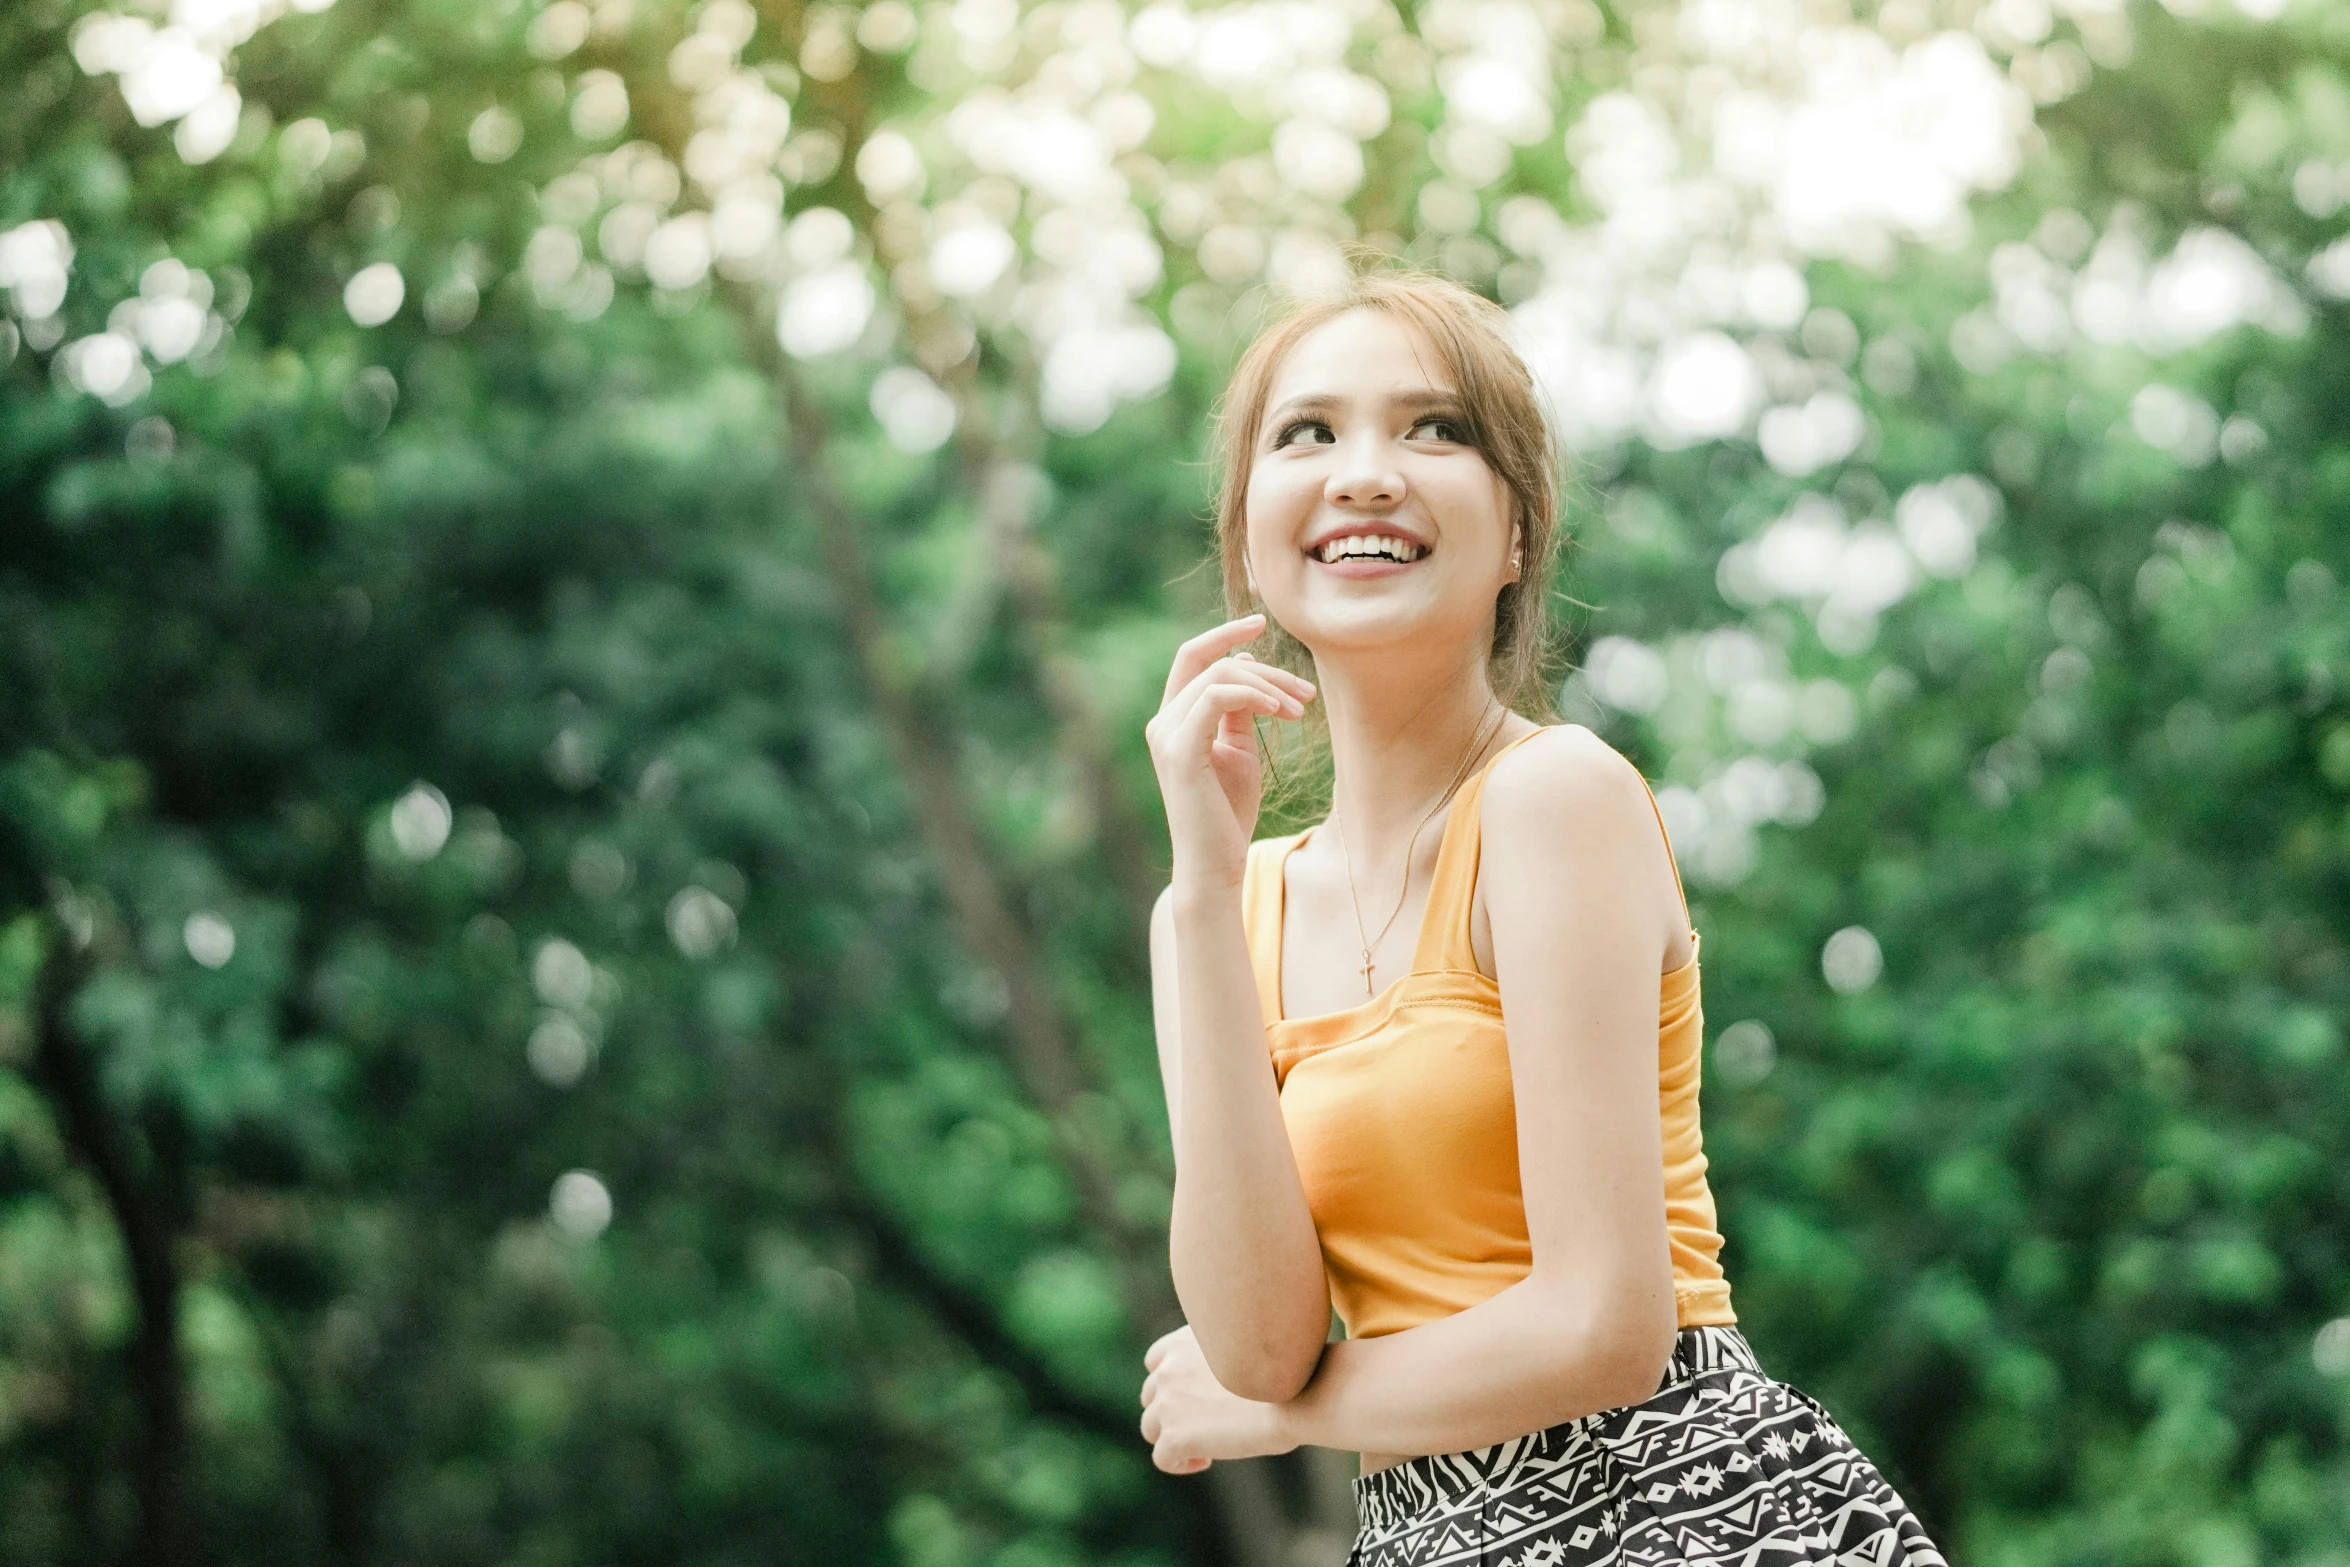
(1401, 1117)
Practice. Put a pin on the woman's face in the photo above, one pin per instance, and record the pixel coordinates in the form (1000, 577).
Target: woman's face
(1362, 437)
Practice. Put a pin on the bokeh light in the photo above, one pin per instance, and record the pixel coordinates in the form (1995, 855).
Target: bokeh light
(791, 477)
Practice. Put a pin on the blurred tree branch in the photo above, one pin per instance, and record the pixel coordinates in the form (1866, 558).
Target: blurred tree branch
(990, 460)
(142, 1210)
(922, 740)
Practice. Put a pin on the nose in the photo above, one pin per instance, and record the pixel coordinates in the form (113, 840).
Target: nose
(1364, 475)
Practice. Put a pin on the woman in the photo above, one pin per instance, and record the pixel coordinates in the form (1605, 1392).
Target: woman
(1540, 1363)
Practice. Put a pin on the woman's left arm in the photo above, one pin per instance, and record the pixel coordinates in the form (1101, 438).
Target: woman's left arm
(1582, 904)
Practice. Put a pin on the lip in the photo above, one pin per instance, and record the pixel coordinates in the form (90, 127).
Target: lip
(1364, 566)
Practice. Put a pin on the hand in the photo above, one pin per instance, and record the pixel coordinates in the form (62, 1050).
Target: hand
(1188, 1417)
(1204, 748)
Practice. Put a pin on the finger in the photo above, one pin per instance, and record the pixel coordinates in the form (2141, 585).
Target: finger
(1204, 649)
(1272, 677)
(1164, 1456)
(1223, 666)
(1287, 679)
(1225, 708)
(1220, 707)
(1222, 713)
(1185, 713)
(1238, 731)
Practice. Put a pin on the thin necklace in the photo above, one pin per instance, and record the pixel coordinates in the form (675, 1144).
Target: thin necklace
(1484, 734)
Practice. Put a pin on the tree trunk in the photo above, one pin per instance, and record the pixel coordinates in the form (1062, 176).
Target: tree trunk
(149, 1236)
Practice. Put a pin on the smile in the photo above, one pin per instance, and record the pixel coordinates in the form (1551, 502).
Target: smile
(1370, 550)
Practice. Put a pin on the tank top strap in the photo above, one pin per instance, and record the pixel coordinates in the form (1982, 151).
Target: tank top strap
(1260, 915)
(1671, 858)
(1444, 929)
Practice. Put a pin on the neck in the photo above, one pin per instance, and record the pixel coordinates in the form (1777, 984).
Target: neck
(1396, 743)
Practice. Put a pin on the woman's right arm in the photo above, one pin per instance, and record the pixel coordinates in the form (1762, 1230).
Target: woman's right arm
(1241, 1243)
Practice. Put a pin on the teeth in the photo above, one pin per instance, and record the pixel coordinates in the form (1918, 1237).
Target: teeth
(1372, 544)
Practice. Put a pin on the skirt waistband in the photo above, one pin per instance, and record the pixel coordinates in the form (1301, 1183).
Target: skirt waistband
(1388, 1495)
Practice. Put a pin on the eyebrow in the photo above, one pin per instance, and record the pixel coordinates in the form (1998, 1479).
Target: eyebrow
(1323, 402)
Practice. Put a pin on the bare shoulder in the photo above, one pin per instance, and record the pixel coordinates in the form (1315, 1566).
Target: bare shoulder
(1575, 816)
(1565, 775)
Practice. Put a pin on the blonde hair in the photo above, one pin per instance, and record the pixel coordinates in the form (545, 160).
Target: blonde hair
(1505, 423)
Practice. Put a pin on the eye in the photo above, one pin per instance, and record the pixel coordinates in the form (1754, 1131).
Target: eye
(1281, 436)
(1444, 427)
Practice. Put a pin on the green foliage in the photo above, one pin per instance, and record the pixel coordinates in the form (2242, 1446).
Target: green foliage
(474, 911)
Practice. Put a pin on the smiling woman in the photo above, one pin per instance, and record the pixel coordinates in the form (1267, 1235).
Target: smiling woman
(1491, 1168)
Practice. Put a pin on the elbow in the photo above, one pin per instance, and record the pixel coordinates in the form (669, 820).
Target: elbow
(1636, 1348)
(1644, 1357)
(1618, 1370)
(1623, 1352)
(1262, 1343)
(1263, 1374)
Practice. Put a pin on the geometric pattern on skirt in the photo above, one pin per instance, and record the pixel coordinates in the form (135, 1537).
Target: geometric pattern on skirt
(1722, 1465)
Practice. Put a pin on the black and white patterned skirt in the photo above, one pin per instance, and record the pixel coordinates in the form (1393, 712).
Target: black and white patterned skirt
(1720, 1465)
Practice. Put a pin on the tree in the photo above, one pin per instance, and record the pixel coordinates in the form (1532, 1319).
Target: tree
(573, 898)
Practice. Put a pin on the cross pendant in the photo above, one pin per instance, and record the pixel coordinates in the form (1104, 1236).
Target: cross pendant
(1366, 971)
